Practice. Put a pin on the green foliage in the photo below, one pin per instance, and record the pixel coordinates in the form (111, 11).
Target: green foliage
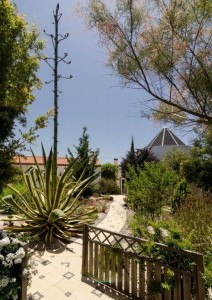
(22, 188)
(11, 254)
(109, 171)
(198, 167)
(175, 159)
(208, 271)
(165, 230)
(83, 151)
(189, 228)
(108, 187)
(20, 52)
(195, 218)
(180, 194)
(151, 188)
(136, 158)
(160, 54)
(54, 208)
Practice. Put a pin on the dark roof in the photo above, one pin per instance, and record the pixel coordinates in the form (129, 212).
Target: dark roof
(165, 138)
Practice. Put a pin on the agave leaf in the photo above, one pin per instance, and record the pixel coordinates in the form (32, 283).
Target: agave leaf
(55, 215)
(81, 187)
(48, 237)
(10, 201)
(44, 155)
(65, 180)
(48, 182)
(34, 194)
(17, 229)
(38, 169)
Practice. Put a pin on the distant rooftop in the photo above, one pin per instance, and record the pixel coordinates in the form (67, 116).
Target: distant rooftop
(165, 138)
(164, 142)
(29, 160)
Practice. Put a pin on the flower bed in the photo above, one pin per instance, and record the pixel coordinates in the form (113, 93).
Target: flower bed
(12, 254)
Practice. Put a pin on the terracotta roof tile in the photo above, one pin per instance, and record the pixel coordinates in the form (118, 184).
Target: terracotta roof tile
(29, 160)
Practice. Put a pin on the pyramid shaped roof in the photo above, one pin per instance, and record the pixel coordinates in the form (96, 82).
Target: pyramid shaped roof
(165, 138)
(164, 142)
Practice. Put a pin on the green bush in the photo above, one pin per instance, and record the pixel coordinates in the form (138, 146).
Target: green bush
(108, 186)
(189, 228)
(180, 193)
(22, 188)
(109, 171)
(195, 219)
(150, 188)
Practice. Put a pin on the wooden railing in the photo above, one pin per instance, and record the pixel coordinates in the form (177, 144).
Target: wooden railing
(124, 264)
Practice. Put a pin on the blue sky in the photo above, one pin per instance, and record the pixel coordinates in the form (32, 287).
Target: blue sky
(92, 98)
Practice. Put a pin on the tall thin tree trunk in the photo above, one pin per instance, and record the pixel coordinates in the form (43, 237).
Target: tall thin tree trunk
(55, 97)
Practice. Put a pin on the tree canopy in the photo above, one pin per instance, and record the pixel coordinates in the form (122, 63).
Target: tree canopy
(86, 154)
(20, 51)
(136, 159)
(164, 48)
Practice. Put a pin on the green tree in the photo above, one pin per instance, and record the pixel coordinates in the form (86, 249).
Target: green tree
(136, 158)
(109, 171)
(175, 159)
(20, 52)
(198, 167)
(163, 48)
(150, 188)
(84, 151)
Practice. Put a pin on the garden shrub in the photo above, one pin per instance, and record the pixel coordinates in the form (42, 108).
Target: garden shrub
(195, 219)
(108, 186)
(22, 188)
(150, 188)
(109, 171)
(11, 255)
(180, 193)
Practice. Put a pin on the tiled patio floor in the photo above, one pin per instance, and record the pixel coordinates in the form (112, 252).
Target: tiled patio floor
(59, 273)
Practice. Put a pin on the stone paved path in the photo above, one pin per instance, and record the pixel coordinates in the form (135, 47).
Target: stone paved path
(59, 274)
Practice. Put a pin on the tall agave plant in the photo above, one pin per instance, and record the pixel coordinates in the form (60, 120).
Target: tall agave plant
(54, 209)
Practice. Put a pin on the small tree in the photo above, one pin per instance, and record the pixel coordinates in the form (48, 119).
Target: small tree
(109, 171)
(136, 158)
(84, 152)
(175, 159)
(108, 183)
(150, 188)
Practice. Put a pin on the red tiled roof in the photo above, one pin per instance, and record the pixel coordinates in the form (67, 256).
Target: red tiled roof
(29, 160)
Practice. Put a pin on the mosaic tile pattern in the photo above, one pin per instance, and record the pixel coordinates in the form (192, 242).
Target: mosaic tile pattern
(68, 275)
(36, 296)
(68, 294)
(46, 262)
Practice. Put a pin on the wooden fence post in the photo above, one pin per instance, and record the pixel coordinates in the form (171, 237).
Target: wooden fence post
(199, 276)
(85, 251)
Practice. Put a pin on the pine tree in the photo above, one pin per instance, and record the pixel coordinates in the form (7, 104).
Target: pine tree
(85, 153)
